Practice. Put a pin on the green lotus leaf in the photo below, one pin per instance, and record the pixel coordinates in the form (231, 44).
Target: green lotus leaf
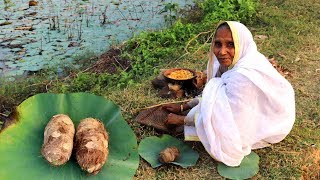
(249, 167)
(20, 143)
(150, 147)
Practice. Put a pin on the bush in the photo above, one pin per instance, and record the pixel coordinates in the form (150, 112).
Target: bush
(236, 10)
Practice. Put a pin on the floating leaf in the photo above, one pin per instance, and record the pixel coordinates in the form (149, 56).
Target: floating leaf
(248, 168)
(150, 147)
(21, 142)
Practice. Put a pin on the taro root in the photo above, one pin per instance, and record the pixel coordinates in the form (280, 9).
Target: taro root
(58, 140)
(169, 154)
(91, 145)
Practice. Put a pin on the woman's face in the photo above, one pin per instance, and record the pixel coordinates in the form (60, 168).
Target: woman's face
(223, 47)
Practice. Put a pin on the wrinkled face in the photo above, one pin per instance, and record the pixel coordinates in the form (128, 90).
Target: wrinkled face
(223, 47)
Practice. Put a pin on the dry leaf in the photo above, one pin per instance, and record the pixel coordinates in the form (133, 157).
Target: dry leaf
(283, 71)
(262, 37)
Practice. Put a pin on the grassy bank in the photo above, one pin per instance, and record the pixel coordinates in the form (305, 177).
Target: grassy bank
(292, 32)
(292, 28)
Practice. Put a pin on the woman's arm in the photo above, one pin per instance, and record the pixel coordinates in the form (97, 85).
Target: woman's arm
(178, 108)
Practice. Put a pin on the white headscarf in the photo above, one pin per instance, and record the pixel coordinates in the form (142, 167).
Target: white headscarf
(250, 106)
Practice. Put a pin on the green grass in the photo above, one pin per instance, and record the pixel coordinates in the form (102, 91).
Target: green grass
(293, 34)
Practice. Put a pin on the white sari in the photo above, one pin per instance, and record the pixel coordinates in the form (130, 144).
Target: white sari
(250, 106)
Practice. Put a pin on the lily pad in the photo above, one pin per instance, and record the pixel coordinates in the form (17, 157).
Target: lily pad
(150, 147)
(247, 169)
(20, 143)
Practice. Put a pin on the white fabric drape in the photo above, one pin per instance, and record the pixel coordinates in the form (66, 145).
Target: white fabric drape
(249, 107)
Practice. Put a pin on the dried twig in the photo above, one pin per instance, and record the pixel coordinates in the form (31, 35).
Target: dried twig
(4, 115)
(47, 85)
(289, 152)
(36, 84)
(174, 62)
(174, 102)
(191, 40)
(118, 63)
(208, 39)
(186, 47)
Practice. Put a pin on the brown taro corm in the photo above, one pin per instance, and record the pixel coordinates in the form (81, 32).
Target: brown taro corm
(58, 140)
(169, 154)
(91, 145)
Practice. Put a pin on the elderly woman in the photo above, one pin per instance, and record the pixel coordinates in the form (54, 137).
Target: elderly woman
(246, 104)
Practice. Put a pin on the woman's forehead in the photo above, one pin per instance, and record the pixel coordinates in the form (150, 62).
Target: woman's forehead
(223, 33)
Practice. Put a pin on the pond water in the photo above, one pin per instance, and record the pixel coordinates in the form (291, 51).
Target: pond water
(53, 33)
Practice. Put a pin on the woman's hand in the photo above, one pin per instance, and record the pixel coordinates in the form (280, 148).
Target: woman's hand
(173, 119)
(174, 108)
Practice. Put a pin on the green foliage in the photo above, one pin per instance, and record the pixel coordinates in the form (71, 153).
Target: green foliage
(84, 82)
(151, 49)
(13, 93)
(236, 10)
(91, 82)
(171, 10)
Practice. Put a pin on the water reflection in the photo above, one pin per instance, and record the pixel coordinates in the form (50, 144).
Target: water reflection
(55, 32)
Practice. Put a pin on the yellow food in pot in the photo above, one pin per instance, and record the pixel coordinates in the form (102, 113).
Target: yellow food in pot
(180, 74)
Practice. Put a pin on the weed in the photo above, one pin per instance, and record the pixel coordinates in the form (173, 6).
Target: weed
(171, 10)
(8, 4)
